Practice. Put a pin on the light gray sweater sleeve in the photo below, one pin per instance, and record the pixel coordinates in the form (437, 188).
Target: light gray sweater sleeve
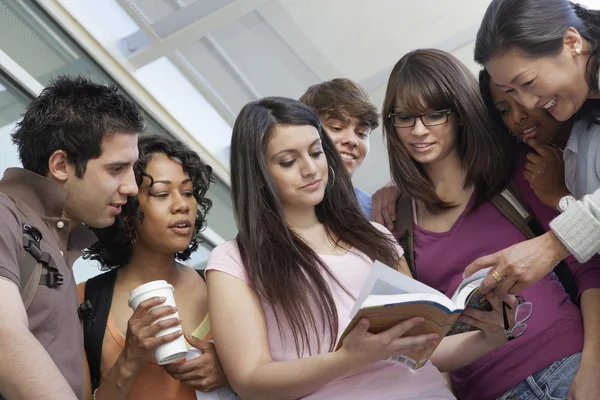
(579, 227)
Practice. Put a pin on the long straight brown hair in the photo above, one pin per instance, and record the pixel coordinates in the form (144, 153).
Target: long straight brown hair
(282, 268)
(434, 79)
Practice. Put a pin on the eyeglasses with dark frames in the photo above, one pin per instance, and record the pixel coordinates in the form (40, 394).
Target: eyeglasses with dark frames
(434, 118)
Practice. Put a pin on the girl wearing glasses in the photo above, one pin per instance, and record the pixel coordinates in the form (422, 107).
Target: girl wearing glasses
(450, 158)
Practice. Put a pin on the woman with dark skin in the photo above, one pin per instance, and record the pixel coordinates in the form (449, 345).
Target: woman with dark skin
(156, 229)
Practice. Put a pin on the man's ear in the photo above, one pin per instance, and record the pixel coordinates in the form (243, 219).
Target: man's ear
(59, 166)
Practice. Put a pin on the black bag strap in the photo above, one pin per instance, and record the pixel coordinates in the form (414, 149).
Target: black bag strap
(202, 274)
(511, 205)
(94, 313)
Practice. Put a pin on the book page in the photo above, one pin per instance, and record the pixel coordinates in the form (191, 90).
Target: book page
(378, 300)
(224, 393)
(383, 280)
(468, 296)
(477, 276)
(389, 297)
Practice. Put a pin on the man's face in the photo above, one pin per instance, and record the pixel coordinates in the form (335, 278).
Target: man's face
(351, 139)
(98, 197)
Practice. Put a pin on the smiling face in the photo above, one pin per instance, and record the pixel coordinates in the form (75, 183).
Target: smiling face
(297, 165)
(557, 83)
(428, 144)
(351, 139)
(526, 124)
(169, 206)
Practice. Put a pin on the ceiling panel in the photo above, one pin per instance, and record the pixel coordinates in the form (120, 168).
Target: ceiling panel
(235, 51)
(167, 17)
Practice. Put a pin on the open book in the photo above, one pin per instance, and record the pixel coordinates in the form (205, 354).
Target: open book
(389, 297)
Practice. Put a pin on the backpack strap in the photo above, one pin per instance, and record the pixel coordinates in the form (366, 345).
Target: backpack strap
(29, 268)
(403, 230)
(512, 206)
(94, 313)
(36, 267)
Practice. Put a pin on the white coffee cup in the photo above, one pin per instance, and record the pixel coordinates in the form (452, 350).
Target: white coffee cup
(176, 349)
(223, 393)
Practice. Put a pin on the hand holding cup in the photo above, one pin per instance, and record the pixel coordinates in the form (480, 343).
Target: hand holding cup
(141, 339)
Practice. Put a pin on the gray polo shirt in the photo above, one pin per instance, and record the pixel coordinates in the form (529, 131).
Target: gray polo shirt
(53, 317)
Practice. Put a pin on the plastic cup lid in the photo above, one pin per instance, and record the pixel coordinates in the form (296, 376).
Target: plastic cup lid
(148, 287)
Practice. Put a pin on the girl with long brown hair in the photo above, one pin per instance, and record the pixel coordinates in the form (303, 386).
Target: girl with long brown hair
(280, 295)
(451, 159)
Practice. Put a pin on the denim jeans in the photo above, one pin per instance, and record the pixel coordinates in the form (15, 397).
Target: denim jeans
(550, 383)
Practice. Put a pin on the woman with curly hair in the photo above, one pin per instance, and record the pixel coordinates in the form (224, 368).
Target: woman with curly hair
(157, 228)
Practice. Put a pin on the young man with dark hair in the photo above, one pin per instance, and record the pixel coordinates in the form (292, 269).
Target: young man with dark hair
(77, 142)
(348, 116)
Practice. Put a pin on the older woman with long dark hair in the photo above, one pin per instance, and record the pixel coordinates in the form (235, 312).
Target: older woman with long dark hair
(452, 162)
(544, 53)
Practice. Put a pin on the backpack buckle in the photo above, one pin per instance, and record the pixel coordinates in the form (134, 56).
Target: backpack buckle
(33, 232)
(33, 248)
(85, 311)
(53, 278)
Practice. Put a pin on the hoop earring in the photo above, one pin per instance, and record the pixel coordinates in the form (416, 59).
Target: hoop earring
(333, 177)
(133, 234)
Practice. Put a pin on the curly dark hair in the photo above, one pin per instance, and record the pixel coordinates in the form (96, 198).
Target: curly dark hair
(115, 243)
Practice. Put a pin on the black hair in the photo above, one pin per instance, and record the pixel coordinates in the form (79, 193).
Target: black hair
(73, 114)
(537, 29)
(115, 243)
(488, 100)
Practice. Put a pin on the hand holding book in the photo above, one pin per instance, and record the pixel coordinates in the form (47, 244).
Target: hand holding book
(389, 297)
(362, 347)
(491, 322)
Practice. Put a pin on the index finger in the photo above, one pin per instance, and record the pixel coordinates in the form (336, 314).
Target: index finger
(401, 328)
(387, 217)
(147, 304)
(540, 148)
(481, 263)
